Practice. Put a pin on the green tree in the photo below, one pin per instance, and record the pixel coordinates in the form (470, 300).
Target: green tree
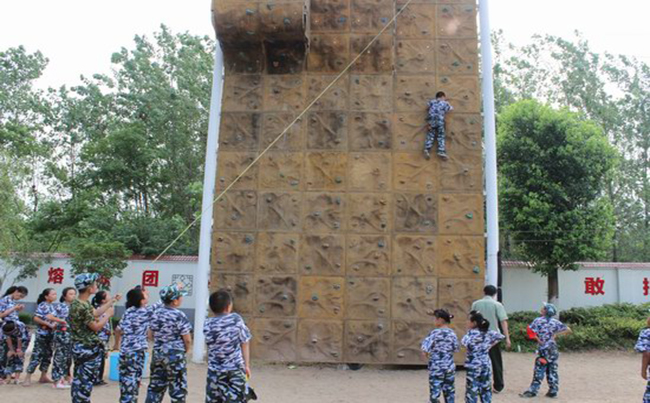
(554, 166)
(568, 73)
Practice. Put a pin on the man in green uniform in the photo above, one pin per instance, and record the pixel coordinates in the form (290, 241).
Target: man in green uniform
(493, 310)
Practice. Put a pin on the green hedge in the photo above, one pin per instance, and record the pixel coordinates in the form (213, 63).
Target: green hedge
(607, 327)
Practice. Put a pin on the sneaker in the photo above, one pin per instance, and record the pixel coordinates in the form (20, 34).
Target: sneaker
(527, 394)
(101, 383)
(442, 155)
(552, 395)
(61, 385)
(427, 154)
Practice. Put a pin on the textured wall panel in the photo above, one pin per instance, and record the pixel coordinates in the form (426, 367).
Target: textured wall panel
(367, 341)
(324, 212)
(343, 239)
(320, 341)
(275, 296)
(275, 339)
(277, 253)
(368, 255)
(368, 298)
(321, 297)
(322, 255)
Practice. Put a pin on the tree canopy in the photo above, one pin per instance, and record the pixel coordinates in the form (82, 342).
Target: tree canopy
(554, 167)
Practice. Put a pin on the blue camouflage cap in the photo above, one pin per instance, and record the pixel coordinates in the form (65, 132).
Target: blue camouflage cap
(172, 292)
(551, 310)
(84, 280)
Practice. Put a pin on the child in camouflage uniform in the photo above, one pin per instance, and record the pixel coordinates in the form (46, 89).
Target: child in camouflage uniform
(43, 344)
(171, 334)
(9, 309)
(440, 345)
(547, 329)
(104, 335)
(227, 338)
(479, 340)
(15, 344)
(131, 340)
(62, 341)
(437, 110)
(86, 345)
(643, 346)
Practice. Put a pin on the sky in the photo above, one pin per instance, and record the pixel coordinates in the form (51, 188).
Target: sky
(79, 36)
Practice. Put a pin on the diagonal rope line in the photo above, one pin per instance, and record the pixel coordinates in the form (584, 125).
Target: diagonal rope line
(241, 175)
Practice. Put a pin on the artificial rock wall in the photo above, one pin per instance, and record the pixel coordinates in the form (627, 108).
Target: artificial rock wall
(342, 240)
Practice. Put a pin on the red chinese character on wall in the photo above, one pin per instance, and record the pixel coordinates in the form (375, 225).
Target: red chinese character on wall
(646, 286)
(55, 275)
(594, 286)
(150, 278)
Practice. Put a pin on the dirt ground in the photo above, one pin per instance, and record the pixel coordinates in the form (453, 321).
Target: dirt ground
(589, 377)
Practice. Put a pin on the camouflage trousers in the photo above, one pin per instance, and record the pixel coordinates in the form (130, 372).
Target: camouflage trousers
(442, 382)
(131, 367)
(14, 364)
(646, 395)
(225, 387)
(479, 385)
(546, 365)
(62, 355)
(168, 370)
(436, 132)
(86, 364)
(42, 353)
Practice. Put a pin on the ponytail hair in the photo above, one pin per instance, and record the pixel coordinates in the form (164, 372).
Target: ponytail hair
(64, 293)
(98, 299)
(477, 318)
(134, 298)
(443, 314)
(43, 295)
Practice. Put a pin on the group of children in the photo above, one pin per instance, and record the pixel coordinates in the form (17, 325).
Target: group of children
(441, 344)
(74, 329)
(77, 329)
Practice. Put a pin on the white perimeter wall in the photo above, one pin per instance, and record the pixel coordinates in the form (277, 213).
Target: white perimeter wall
(131, 277)
(523, 290)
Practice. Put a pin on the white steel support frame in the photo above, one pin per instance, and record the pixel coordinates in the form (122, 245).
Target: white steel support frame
(202, 276)
(489, 125)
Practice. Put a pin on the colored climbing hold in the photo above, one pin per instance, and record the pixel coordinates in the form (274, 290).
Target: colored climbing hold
(469, 215)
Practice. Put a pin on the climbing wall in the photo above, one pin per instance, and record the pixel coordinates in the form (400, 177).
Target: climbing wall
(340, 243)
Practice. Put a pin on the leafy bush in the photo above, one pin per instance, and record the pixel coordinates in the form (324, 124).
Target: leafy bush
(607, 327)
(26, 318)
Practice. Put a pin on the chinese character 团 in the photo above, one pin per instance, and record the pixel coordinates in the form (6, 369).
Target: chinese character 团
(150, 278)
(55, 275)
(594, 286)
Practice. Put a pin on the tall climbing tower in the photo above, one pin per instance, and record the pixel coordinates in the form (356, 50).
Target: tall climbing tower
(342, 240)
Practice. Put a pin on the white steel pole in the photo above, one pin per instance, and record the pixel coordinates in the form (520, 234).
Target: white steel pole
(492, 204)
(205, 241)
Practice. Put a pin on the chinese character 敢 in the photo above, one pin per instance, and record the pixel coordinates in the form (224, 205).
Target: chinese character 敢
(55, 275)
(150, 278)
(594, 286)
(646, 286)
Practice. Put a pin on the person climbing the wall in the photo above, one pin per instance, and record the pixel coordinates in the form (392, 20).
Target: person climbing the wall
(437, 110)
